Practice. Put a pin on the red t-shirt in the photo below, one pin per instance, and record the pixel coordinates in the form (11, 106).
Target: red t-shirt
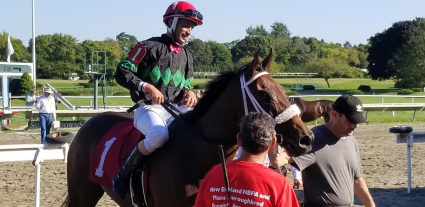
(251, 184)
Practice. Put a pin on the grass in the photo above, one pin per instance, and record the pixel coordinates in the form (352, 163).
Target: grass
(338, 86)
(63, 83)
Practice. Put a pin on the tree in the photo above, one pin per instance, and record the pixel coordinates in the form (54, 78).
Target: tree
(347, 44)
(250, 45)
(20, 53)
(126, 42)
(329, 68)
(221, 56)
(300, 52)
(282, 48)
(113, 53)
(385, 47)
(362, 55)
(257, 31)
(201, 52)
(279, 29)
(55, 51)
(57, 47)
(411, 63)
(25, 84)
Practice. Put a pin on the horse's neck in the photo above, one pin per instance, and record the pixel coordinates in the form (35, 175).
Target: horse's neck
(220, 122)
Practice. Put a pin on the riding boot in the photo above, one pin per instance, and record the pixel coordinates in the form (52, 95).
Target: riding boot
(120, 179)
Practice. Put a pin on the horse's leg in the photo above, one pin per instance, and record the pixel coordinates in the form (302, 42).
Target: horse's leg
(82, 192)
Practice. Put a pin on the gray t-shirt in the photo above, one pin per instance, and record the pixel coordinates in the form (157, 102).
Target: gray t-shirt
(330, 169)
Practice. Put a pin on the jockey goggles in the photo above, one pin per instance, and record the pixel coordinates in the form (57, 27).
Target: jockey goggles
(188, 13)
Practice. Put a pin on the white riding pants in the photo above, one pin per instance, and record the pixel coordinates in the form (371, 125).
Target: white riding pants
(151, 121)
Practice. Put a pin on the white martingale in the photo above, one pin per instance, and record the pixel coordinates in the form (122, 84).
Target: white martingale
(284, 116)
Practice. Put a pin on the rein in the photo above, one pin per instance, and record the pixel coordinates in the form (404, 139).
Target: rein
(170, 108)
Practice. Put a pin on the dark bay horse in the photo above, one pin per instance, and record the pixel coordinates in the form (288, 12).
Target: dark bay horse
(177, 168)
(312, 110)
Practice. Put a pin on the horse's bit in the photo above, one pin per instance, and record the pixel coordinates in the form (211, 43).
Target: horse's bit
(282, 117)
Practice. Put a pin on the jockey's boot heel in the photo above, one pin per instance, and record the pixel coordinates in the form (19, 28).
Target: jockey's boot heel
(120, 179)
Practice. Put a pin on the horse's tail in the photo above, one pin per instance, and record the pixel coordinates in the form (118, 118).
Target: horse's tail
(66, 202)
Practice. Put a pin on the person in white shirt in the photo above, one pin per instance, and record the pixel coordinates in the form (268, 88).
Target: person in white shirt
(47, 110)
(273, 160)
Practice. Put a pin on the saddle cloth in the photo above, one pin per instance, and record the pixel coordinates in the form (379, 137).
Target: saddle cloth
(112, 151)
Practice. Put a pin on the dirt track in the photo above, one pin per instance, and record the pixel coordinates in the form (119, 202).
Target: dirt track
(384, 167)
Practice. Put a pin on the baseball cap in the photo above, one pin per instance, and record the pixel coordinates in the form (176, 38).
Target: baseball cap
(351, 107)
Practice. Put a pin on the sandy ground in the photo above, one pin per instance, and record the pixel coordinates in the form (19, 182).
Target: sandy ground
(384, 167)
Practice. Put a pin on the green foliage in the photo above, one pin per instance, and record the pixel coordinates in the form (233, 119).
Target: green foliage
(329, 68)
(405, 92)
(25, 84)
(88, 85)
(256, 31)
(300, 53)
(201, 52)
(308, 87)
(411, 61)
(39, 86)
(355, 92)
(126, 42)
(69, 92)
(20, 53)
(416, 89)
(122, 93)
(250, 45)
(57, 48)
(221, 56)
(291, 93)
(364, 88)
(280, 30)
(112, 82)
(388, 47)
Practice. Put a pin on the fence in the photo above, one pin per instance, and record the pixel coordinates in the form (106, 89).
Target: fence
(36, 153)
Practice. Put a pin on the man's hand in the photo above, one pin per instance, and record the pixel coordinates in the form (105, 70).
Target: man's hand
(298, 184)
(156, 95)
(189, 99)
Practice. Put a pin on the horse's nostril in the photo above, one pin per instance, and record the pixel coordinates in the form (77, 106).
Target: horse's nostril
(306, 141)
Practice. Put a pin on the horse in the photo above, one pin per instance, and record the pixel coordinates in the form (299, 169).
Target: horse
(312, 110)
(178, 167)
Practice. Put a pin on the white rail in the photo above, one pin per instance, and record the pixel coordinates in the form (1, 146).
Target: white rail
(36, 153)
(409, 139)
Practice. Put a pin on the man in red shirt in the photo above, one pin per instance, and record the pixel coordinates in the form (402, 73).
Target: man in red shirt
(251, 183)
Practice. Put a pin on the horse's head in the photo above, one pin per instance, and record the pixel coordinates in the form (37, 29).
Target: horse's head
(269, 97)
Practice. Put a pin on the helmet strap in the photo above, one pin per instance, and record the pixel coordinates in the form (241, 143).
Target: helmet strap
(172, 29)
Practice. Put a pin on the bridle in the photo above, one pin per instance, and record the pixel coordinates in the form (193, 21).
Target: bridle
(282, 117)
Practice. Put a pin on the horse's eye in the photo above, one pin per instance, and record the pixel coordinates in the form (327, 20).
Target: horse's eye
(264, 96)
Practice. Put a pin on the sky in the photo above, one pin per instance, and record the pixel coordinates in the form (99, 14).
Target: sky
(334, 21)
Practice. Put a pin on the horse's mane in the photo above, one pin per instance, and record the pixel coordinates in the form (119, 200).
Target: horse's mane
(213, 90)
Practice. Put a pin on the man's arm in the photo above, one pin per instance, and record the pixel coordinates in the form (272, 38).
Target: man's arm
(125, 75)
(38, 105)
(362, 192)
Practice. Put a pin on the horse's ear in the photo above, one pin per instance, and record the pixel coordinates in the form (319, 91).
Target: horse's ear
(250, 72)
(267, 62)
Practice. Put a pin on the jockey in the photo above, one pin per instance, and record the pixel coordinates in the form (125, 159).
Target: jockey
(158, 70)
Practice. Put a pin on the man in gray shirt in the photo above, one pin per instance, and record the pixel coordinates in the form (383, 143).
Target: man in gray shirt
(332, 172)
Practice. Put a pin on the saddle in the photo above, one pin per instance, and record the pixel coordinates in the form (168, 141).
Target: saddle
(112, 151)
(111, 154)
